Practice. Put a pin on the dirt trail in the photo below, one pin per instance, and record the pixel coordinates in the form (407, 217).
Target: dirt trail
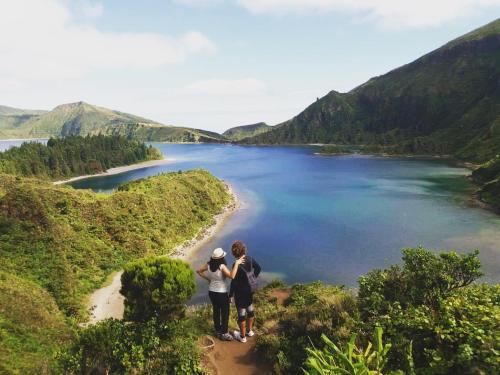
(234, 357)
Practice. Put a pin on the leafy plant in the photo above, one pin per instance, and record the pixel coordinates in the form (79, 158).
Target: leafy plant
(351, 361)
(156, 287)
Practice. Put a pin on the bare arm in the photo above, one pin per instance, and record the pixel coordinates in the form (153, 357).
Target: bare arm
(202, 271)
(225, 271)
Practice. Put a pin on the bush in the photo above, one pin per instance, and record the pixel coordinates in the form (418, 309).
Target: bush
(429, 305)
(156, 287)
(311, 310)
(118, 347)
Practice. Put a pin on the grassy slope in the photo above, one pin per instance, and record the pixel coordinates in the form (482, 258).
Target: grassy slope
(32, 327)
(67, 241)
(240, 132)
(446, 102)
(82, 118)
(151, 133)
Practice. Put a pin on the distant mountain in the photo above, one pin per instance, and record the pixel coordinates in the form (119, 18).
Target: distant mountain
(12, 118)
(82, 118)
(446, 102)
(239, 132)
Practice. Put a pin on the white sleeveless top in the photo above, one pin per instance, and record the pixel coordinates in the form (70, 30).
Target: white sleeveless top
(217, 281)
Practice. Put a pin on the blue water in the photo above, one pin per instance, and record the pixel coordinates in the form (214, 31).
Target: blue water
(306, 217)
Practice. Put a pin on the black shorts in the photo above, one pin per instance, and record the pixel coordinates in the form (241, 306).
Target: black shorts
(243, 300)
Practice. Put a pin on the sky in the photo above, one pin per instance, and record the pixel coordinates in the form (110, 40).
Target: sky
(214, 64)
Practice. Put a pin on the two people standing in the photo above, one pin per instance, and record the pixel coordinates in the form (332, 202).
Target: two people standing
(243, 276)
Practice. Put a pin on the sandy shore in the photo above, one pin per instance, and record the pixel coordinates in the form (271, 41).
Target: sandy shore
(107, 302)
(118, 170)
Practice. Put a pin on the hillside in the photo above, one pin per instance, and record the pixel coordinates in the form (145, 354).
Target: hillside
(85, 119)
(240, 132)
(446, 102)
(12, 118)
(62, 243)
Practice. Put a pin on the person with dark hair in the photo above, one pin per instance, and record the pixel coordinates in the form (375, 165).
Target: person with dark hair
(242, 289)
(216, 273)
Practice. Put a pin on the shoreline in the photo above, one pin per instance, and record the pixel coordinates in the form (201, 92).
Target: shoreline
(107, 302)
(117, 170)
(189, 248)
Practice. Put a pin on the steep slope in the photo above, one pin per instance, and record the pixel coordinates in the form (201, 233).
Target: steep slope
(83, 119)
(446, 102)
(240, 132)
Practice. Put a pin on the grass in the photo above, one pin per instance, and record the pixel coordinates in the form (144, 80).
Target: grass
(62, 243)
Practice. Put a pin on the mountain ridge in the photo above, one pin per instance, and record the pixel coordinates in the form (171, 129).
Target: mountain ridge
(243, 131)
(81, 118)
(445, 102)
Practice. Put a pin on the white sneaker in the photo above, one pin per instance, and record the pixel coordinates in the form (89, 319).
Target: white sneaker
(237, 336)
(250, 333)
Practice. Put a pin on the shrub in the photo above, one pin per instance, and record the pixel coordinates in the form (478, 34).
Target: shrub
(351, 361)
(118, 347)
(156, 287)
(429, 305)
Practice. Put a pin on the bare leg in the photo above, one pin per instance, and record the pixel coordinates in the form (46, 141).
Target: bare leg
(243, 328)
(250, 323)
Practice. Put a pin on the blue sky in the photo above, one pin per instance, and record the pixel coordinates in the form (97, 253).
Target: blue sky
(214, 64)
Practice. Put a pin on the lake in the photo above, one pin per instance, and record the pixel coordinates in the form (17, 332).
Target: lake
(306, 217)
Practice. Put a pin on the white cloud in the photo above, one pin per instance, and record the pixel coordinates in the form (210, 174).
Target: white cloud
(39, 39)
(385, 13)
(225, 87)
(90, 9)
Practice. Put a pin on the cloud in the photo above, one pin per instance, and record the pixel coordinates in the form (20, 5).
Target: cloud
(40, 39)
(225, 87)
(385, 13)
(90, 9)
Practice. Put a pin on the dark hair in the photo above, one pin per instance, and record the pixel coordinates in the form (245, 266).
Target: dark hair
(214, 264)
(238, 249)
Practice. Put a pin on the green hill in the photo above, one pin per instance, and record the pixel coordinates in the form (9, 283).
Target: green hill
(85, 119)
(446, 102)
(62, 243)
(240, 132)
(12, 118)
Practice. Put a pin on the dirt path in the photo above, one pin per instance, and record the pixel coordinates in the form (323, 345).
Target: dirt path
(234, 357)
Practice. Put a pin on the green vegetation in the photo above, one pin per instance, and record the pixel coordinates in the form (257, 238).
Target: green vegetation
(488, 177)
(62, 243)
(136, 348)
(74, 156)
(354, 361)
(85, 119)
(156, 337)
(32, 327)
(156, 287)
(435, 320)
(240, 132)
(335, 150)
(445, 103)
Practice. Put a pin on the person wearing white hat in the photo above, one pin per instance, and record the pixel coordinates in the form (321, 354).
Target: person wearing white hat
(215, 271)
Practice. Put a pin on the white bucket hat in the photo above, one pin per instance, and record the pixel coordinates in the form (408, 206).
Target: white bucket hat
(218, 253)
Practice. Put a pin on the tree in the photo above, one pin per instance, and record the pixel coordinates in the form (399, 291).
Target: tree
(156, 287)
